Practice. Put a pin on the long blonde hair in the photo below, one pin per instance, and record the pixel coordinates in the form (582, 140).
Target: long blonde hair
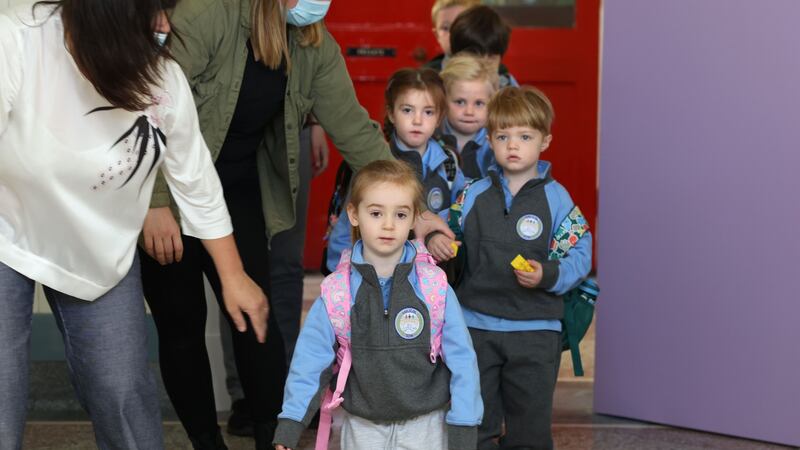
(268, 35)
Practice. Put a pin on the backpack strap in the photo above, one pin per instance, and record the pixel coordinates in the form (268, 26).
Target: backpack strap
(340, 191)
(335, 293)
(433, 284)
(454, 218)
(450, 166)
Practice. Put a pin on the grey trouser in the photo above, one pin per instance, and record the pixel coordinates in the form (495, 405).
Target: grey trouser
(105, 342)
(428, 432)
(518, 376)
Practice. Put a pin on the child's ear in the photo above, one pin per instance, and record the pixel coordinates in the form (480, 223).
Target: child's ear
(389, 114)
(351, 214)
(546, 142)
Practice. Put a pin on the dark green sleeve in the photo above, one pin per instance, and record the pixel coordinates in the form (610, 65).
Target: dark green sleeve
(357, 137)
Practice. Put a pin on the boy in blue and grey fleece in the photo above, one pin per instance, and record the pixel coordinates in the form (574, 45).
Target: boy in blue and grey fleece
(392, 378)
(513, 327)
(431, 172)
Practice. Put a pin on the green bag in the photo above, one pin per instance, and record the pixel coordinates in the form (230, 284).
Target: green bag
(579, 302)
(578, 313)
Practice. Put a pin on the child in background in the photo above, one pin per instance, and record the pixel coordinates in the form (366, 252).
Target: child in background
(514, 315)
(470, 83)
(411, 361)
(443, 13)
(480, 31)
(415, 105)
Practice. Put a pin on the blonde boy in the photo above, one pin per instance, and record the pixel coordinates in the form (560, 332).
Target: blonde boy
(470, 82)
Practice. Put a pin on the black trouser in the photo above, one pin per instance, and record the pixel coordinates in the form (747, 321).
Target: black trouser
(518, 376)
(176, 296)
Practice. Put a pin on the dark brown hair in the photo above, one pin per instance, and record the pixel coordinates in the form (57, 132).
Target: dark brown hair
(113, 46)
(422, 79)
(481, 31)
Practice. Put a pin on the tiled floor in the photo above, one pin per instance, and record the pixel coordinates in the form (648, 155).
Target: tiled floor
(574, 428)
(57, 423)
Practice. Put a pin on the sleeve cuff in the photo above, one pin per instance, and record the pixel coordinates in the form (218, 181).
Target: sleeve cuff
(161, 196)
(549, 274)
(288, 433)
(160, 200)
(462, 437)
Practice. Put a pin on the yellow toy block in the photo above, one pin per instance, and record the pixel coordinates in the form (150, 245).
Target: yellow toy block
(454, 246)
(522, 264)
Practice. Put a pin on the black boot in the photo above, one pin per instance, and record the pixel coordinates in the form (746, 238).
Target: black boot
(240, 423)
(208, 441)
(264, 433)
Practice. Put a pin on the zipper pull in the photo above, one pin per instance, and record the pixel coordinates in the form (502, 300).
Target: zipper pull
(385, 313)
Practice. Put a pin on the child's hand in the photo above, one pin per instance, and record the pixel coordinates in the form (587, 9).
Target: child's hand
(280, 447)
(441, 247)
(530, 279)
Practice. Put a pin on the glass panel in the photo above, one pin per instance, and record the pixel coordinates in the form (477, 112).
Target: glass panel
(535, 13)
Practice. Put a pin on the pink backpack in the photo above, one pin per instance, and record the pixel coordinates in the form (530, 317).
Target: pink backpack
(337, 298)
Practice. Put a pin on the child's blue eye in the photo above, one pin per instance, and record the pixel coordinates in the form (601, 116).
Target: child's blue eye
(501, 138)
(459, 102)
(480, 103)
(526, 137)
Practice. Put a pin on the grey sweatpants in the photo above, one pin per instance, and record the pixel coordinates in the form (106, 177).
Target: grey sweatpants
(427, 432)
(518, 376)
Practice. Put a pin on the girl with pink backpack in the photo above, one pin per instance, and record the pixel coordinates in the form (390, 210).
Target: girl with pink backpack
(386, 340)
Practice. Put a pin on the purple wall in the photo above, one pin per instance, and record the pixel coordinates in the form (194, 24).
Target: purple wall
(699, 249)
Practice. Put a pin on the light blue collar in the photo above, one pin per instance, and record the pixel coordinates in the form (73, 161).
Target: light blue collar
(357, 256)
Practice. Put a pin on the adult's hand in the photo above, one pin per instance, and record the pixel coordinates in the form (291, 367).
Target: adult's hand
(240, 293)
(319, 149)
(162, 236)
(429, 222)
(243, 296)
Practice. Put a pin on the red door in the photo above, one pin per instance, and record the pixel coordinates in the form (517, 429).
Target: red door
(379, 37)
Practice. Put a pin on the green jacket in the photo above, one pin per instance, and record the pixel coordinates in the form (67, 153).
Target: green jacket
(213, 55)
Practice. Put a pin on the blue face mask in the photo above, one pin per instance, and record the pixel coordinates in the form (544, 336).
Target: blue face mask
(161, 38)
(306, 12)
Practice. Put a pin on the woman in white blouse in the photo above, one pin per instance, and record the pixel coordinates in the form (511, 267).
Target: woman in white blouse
(90, 105)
